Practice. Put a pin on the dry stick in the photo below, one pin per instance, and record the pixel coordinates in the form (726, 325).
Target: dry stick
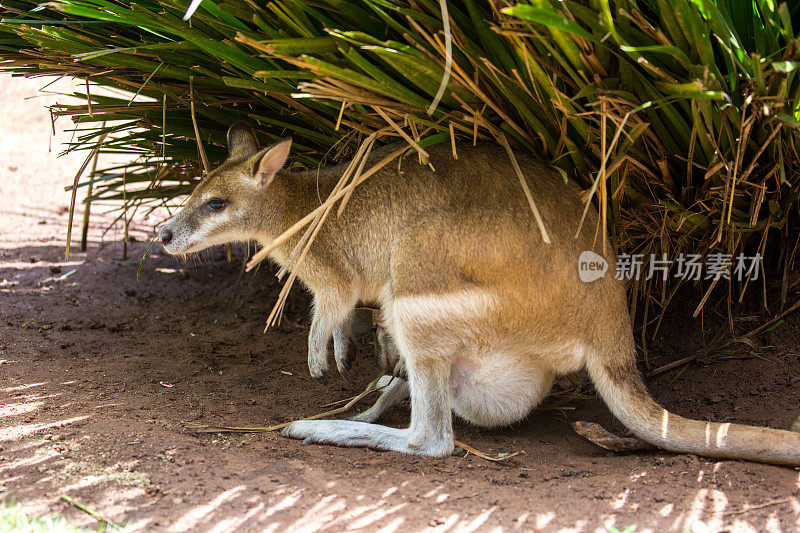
(359, 171)
(524, 184)
(603, 198)
(768, 142)
(345, 400)
(277, 310)
(304, 241)
(743, 138)
(722, 164)
(423, 154)
(87, 209)
(409, 122)
(199, 428)
(707, 294)
(78, 175)
(89, 511)
(200, 147)
(161, 172)
(89, 99)
(311, 233)
(341, 113)
(602, 171)
(766, 325)
(125, 215)
(469, 449)
(759, 506)
(453, 141)
(163, 128)
(448, 57)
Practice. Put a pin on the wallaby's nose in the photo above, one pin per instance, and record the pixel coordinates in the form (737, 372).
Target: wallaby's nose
(165, 235)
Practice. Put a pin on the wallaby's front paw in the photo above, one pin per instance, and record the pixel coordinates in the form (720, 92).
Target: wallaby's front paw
(343, 351)
(318, 367)
(345, 367)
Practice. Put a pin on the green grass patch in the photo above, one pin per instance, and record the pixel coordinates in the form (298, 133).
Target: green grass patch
(14, 520)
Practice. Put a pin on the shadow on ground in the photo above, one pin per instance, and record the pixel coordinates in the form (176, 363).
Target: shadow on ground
(99, 373)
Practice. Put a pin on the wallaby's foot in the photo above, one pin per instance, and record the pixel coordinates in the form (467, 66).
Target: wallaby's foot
(318, 365)
(318, 360)
(346, 372)
(344, 350)
(331, 320)
(362, 435)
(345, 360)
(795, 425)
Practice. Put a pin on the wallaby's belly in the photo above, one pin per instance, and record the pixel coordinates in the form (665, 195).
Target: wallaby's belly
(497, 390)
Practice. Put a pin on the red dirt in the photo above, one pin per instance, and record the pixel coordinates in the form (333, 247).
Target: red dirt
(84, 412)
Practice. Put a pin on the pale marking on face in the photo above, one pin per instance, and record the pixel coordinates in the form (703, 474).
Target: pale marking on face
(184, 242)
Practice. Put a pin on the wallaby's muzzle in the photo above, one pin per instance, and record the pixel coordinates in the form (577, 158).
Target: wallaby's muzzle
(186, 232)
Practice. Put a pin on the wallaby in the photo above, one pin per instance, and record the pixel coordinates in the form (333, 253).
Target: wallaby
(483, 313)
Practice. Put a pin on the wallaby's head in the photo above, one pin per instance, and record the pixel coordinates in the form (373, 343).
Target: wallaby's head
(229, 204)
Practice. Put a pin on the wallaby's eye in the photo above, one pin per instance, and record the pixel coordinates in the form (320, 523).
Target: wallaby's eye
(215, 204)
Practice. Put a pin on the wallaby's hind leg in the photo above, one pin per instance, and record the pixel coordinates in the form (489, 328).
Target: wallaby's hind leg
(430, 432)
(396, 391)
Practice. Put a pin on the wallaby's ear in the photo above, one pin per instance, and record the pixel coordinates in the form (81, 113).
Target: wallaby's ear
(242, 141)
(272, 160)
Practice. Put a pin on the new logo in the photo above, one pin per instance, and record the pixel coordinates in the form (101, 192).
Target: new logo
(591, 266)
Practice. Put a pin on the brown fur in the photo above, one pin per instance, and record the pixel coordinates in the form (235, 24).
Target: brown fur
(461, 234)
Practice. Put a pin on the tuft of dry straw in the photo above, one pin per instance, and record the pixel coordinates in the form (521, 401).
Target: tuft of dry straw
(300, 224)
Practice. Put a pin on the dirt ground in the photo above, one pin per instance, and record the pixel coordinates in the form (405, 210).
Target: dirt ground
(86, 351)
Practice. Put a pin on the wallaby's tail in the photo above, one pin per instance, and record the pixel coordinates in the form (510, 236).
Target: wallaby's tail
(621, 386)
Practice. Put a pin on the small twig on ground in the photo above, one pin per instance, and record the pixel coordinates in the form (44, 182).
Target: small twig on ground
(470, 450)
(200, 428)
(89, 511)
(759, 506)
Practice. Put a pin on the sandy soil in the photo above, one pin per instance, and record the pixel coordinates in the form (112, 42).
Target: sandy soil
(84, 411)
